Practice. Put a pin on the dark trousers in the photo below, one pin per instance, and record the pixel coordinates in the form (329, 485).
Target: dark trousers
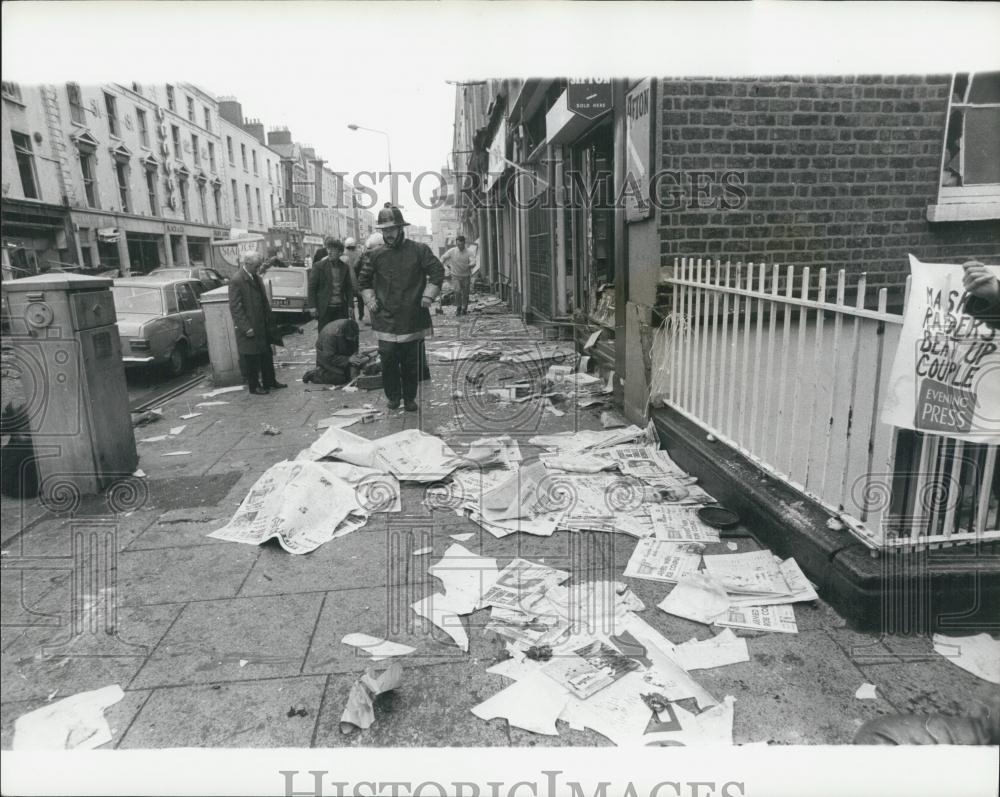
(329, 314)
(425, 371)
(361, 309)
(257, 368)
(400, 369)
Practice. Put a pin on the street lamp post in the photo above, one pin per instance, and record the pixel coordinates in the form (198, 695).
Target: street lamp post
(388, 157)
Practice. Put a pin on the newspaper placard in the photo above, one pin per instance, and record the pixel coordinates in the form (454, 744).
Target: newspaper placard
(298, 503)
(655, 560)
(761, 618)
(945, 377)
(680, 524)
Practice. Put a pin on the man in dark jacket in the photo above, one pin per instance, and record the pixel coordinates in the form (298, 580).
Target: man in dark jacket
(399, 283)
(256, 329)
(331, 288)
(336, 353)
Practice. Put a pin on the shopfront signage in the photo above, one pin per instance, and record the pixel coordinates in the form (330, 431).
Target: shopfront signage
(588, 98)
(286, 225)
(640, 144)
(175, 228)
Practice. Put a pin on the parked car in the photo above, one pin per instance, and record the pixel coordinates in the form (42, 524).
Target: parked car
(208, 278)
(160, 321)
(289, 288)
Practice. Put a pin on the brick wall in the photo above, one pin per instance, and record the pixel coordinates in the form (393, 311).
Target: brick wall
(839, 173)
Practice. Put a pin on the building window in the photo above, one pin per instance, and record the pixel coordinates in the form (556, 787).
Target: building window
(260, 211)
(190, 103)
(140, 116)
(182, 185)
(249, 206)
(243, 153)
(89, 178)
(211, 156)
(121, 171)
(217, 198)
(154, 205)
(11, 90)
(194, 149)
(970, 169)
(171, 102)
(112, 108)
(175, 134)
(201, 201)
(229, 150)
(208, 118)
(76, 111)
(236, 202)
(253, 154)
(269, 179)
(26, 165)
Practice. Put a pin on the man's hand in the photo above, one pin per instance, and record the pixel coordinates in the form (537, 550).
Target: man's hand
(980, 281)
(358, 360)
(249, 333)
(426, 302)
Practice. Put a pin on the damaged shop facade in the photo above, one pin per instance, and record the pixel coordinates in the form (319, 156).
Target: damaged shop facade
(733, 255)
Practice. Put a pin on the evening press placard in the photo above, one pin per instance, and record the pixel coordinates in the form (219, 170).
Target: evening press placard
(946, 375)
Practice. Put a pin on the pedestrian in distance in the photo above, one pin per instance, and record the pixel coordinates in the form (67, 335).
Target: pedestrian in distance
(351, 256)
(460, 264)
(256, 328)
(399, 282)
(331, 289)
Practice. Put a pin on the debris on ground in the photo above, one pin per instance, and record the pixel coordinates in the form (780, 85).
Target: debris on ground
(221, 390)
(379, 649)
(73, 723)
(978, 654)
(268, 429)
(359, 713)
(147, 417)
(867, 692)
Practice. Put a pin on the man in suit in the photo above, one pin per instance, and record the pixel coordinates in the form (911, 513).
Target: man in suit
(331, 287)
(256, 329)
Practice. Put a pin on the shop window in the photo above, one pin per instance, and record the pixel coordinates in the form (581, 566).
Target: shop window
(140, 116)
(211, 156)
(175, 135)
(171, 101)
(111, 106)
(154, 205)
(970, 171)
(121, 172)
(236, 202)
(208, 119)
(195, 150)
(26, 165)
(76, 110)
(89, 178)
(190, 104)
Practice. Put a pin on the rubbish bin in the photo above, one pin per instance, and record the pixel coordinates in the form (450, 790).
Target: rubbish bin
(222, 350)
(68, 354)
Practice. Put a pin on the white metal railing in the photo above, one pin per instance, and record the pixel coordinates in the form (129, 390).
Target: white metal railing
(760, 357)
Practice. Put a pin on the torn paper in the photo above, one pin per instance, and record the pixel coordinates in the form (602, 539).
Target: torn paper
(979, 654)
(722, 649)
(73, 723)
(713, 726)
(697, 597)
(360, 709)
(220, 390)
(661, 561)
(534, 704)
(210, 403)
(377, 648)
(866, 692)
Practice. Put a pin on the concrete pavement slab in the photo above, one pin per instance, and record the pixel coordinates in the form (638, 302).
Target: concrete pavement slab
(382, 612)
(251, 714)
(77, 658)
(196, 573)
(119, 716)
(210, 638)
(431, 708)
(183, 529)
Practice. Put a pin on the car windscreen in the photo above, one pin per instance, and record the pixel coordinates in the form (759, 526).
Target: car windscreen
(285, 278)
(139, 300)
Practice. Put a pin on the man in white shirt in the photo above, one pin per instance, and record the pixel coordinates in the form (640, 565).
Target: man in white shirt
(460, 264)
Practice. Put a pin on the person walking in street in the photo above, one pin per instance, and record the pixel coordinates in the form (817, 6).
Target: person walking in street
(337, 355)
(331, 289)
(460, 263)
(256, 329)
(351, 256)
(399, 283)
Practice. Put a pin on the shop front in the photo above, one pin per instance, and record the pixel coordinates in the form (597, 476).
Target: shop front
(35, 239)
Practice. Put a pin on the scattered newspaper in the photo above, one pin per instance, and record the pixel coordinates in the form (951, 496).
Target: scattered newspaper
(761, 618)
(655, 560)
(680, 524)
(300, 504)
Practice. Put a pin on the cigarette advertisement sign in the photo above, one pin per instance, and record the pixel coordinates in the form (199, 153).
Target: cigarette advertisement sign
(639, 113)
(945, 378)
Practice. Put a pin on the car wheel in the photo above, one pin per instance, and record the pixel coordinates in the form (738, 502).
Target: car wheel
(178, 359)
